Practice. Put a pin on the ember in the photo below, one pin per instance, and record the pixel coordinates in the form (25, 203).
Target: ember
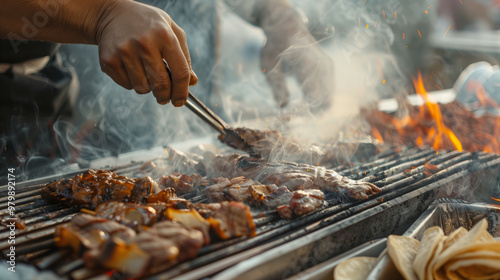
(442, 126)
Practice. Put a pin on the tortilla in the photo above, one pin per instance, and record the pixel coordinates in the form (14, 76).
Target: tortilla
(476, 234)
(402, 251)
(429, 245)
(356, 268)
(475, 268)
(445, 243)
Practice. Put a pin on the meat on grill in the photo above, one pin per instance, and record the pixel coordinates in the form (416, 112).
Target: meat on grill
(92, 188)
(89, 232)
(280, 196)
(306, 201)
(237, 189)
(161, 246)
(108, 244)
(293, 176)
(181, 183)
(130, 214)
(228, 219)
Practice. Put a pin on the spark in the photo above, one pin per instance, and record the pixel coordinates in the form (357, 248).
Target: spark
(395, 14)
(216, 105)
(367, 26)
(403, 35)
(364, 2)
(419, 34)
(447, 31)
(383, 11)
(426, 12)
(264, 70)
(438, 87)
(460, 1)
(429, 7)
(306, 61)
(346, 136)
(495, 198)
(382, 200)
(383, 82)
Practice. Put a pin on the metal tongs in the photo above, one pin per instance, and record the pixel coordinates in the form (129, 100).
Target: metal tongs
(228, 135)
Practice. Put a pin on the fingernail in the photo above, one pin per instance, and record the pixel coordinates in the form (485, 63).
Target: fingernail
(179, 102)
(163, 102)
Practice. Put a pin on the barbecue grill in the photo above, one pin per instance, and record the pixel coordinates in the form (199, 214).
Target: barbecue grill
(408, 187)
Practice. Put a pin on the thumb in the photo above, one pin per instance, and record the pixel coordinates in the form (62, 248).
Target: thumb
(276, 80)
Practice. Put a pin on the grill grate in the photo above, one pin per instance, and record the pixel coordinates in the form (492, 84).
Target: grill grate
(396, 171)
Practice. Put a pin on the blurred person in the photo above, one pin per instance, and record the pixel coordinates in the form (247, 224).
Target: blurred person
(132, 40)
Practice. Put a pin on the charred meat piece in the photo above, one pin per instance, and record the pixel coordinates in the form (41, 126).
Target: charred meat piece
(164, 196)
(228, 219)
(293, 176)
(161, 246)
(285, 212)
(189, 241)
(237, 189)
(280, 196)
(132, 215)
(181, 183)
(89, 232)
(92, 188)
(306, 201)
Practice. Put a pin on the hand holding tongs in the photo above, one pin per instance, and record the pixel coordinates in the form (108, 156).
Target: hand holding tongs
(228, 135)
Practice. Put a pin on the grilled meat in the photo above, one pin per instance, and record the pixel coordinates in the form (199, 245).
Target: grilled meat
(164, 196)
(306, 201)
(92, 188)
(280, 196)
(228, 219)
(132, 215)
(181, 183)
(161, 246)
(89, 232)
(285, 211)
(236, 189)
(293, 176)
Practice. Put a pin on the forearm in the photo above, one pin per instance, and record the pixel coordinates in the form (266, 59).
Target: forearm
(268, 14)
(62, 21)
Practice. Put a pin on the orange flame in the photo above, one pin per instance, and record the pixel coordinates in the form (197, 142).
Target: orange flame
(495, 198)
(377, 135)
(440, 129)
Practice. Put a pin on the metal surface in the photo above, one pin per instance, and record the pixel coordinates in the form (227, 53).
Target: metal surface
(391, 213)
(407, 190)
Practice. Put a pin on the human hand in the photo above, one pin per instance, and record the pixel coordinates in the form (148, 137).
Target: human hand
(133, 38)
(290, 48)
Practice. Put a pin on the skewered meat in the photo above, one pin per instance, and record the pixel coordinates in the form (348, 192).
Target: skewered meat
(228, 219)
(306, 201)
(161, 246)
(132, 215)
(164, 195)
(91, 188)
(236, 189)
(181, 183)
(285, 212)
(293, 176)
(281, 196)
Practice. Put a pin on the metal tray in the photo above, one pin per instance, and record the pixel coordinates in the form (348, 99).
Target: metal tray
(332, 239)
(446, 213)
(449, 216)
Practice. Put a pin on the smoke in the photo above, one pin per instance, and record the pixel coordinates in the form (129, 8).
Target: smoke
(363, 45)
